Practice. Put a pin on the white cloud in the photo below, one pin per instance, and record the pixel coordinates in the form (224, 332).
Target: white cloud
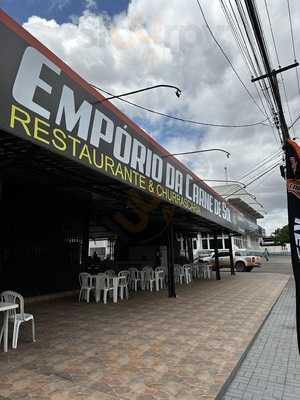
(91, 4)
(59, 4)
(153, 42)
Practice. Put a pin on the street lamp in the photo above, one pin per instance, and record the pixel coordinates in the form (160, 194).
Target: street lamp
(177, 92)
(197, 151)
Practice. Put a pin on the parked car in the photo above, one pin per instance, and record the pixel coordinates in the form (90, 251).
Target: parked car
(243, 261)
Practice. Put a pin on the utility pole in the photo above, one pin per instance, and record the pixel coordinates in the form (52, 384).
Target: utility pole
(292, 154)
(271, 74)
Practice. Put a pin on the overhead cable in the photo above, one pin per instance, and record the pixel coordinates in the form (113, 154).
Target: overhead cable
(293, 42)
(219, 125)
(226, 57)
(296, 120)
(251, 59)
(277, 58)
(254, 180)
(234, 25)
(261, 164)
(265, 165)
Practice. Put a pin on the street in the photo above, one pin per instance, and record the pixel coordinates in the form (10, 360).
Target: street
(276, 264)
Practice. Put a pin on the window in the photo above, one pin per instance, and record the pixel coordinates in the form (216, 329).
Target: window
(227, 243)
(204, 244)
(211, 243)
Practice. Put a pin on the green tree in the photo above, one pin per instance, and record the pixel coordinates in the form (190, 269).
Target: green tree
(281, 235)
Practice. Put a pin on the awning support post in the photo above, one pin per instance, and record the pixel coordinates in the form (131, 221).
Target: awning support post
(190, 249)
(171, 273)
(217, 264)
(85, 241)
(232, 270)
(1, 230)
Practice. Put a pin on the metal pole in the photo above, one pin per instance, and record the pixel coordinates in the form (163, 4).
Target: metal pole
(231, 255)
(171, 274)
(192, 249)
(85, 241)
(1, 227)
(217, 264)
(271, 74)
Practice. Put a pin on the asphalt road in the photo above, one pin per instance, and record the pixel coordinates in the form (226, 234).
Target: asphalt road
(279, 264)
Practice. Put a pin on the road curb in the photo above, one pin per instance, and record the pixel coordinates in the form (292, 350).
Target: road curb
(233, 373)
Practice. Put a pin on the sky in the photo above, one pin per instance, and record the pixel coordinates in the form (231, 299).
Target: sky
(124, 45)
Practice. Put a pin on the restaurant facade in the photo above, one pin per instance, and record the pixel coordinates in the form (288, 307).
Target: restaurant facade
(73, 167)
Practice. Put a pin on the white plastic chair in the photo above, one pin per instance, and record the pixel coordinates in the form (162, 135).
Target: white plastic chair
(196, 270)
(99, 282)
(123, 281)
(135, 278)
(179, 274)
(206, 271)
(187, 273)
(86, 286)
(160, 278)
(17, 317)
(110, 272)
(108, 287)
(149, 278)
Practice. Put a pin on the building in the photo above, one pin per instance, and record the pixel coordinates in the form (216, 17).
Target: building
(252, 237)
(273, 248)
(75, 169)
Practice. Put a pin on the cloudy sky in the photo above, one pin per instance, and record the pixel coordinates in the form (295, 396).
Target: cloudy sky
(123, 45)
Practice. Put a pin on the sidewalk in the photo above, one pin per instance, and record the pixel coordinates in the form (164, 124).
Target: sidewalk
(150, 347)
(271, 369)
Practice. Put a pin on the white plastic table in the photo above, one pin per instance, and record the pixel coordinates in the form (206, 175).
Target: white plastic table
(6, 307)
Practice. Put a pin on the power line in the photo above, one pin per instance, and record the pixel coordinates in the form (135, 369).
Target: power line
(226, 57)
(242, 45)
(258, 165)
(245, 184)
(219, 125)
(293, 42)
(257, 29)
(261, 164)
(277, 57)
(253, 66)
(262, 180)
(254, 48)
(276, 159)
(296, 120)
(254, 180)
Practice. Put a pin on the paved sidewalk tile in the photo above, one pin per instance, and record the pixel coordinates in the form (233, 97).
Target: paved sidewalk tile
(271, 369)
(147, 348)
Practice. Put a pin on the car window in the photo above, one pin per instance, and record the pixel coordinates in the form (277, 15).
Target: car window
(223, 254)
(238, 253)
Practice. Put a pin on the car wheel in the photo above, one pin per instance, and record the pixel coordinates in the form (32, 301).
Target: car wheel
(240, 266)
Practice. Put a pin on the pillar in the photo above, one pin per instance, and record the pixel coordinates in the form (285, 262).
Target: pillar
(190, 249)
(231, 255)
(1, 227)
(217, 264)
(85, 240)
(171, 274)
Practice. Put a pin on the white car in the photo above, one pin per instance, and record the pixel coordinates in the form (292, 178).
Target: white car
(243, 261)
